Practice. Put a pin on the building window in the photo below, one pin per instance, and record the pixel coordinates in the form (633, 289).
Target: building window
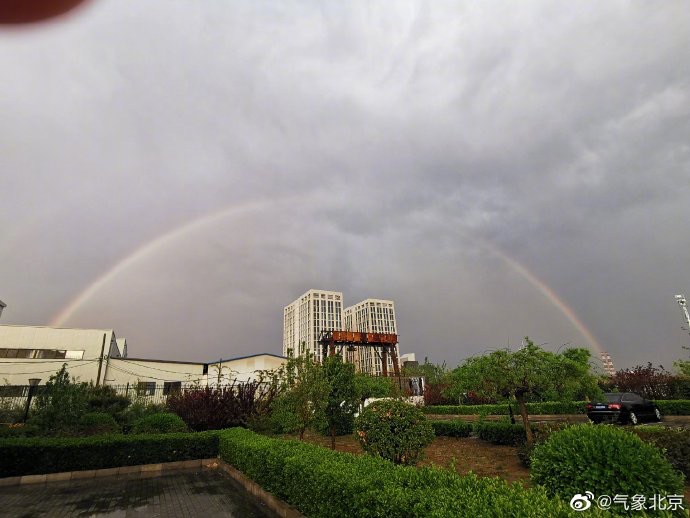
(172, 387)
(12, 390)
(146, 388)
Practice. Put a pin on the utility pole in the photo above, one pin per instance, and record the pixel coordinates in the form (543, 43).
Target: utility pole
(100, 362)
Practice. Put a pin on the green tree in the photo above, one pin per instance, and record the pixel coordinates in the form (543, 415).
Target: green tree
(341, 400)
(303, 390)
(519, 374)
(367, 386)
(61, 403)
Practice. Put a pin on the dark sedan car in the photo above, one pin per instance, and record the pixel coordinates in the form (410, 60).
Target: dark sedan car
(622, 407)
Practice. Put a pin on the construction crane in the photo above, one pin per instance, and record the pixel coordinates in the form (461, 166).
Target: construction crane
(683, 303)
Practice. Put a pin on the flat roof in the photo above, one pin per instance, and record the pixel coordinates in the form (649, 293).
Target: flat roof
(129, 358)
(248, 356)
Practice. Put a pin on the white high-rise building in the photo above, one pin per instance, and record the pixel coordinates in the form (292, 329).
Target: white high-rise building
(306, 317)
(371, 316)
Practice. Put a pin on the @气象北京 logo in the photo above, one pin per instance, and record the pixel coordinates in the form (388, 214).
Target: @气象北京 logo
(582, 502)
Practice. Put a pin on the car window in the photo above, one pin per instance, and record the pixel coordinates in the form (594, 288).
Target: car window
(612, 397)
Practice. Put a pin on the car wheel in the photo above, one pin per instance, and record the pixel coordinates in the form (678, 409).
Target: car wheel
(632, 418)
(657, 414)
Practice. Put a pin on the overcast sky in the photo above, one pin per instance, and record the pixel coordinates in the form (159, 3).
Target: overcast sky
(184, 169)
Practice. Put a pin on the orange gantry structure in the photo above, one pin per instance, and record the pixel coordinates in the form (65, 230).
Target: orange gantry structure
(385, 342)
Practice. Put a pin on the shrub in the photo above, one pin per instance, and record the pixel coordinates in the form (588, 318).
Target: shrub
(214, 409)
(674, 442)
(393, 430)
(455, 428)
(159, 423)
(676, 407)
(95, 423)
(500, 432)
(137, 410)
(54, 455)
(106, 399)
(604, 460)
(544, 408)
(60, 404)
(356, 485)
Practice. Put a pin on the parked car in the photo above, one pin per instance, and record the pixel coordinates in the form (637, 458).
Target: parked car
(622, 407)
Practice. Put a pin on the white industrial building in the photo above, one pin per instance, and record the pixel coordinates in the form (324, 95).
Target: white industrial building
(98, 356)
(316, 311)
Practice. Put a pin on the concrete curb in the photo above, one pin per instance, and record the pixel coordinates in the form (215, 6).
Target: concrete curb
(278, 507)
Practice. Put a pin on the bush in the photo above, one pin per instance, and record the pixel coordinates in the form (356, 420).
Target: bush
(54, 455)
(674, 442)
(544, 408)
(214, 409)
(393, 430)
(604, 460)
(159, 423)
(453, 428)
(96, 423)
(500, 432)
(60, 404)
(674, 407)
(356, 485)
(106, 399)
(137, 410)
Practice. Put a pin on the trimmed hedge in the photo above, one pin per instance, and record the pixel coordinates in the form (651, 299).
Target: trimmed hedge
(674, 407)
(667, 407)
(50, 455)
(606, 460)
(452, 428)
(360, 485)
(500, 433)
(545, 408)
(159, 423)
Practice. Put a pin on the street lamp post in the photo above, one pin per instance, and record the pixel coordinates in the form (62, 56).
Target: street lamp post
(33, 382)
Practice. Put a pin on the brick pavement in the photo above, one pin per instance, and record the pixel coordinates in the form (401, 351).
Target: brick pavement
(182, 494)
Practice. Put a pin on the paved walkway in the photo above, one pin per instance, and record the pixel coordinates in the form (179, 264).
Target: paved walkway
(194, 493)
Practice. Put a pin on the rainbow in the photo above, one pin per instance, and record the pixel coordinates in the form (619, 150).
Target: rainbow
(178, 232)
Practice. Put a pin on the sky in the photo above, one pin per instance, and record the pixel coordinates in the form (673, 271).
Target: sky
(181, 170)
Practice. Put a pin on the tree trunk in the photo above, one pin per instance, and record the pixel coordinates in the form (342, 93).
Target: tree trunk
(525, 419)
(332, 437)
(301, 434)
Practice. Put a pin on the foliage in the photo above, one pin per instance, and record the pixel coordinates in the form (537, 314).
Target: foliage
(676, 407)
(10, 411)
(435, 381)
(341, 399)
(393, 430)
(367, 386)
(60, 404)
(304, 390)
(544, 408)
(105, 399)
(138, 409)
(519, 374)
(160, 423)
(54, 455)
(95, 423)
(649, 382)
(452, 428)
(674, 442)
(497, 432)
(361, 485)
(604, 460)
(683, 367)
(216, 408)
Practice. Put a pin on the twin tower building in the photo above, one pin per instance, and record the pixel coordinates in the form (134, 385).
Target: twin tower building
(318, 310)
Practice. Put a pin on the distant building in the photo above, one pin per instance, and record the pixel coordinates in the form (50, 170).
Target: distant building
(607, 363)
(371, 316)
(306, 317)
(98, 356)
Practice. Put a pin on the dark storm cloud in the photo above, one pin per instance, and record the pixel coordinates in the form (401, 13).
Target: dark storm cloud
(398, 150)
